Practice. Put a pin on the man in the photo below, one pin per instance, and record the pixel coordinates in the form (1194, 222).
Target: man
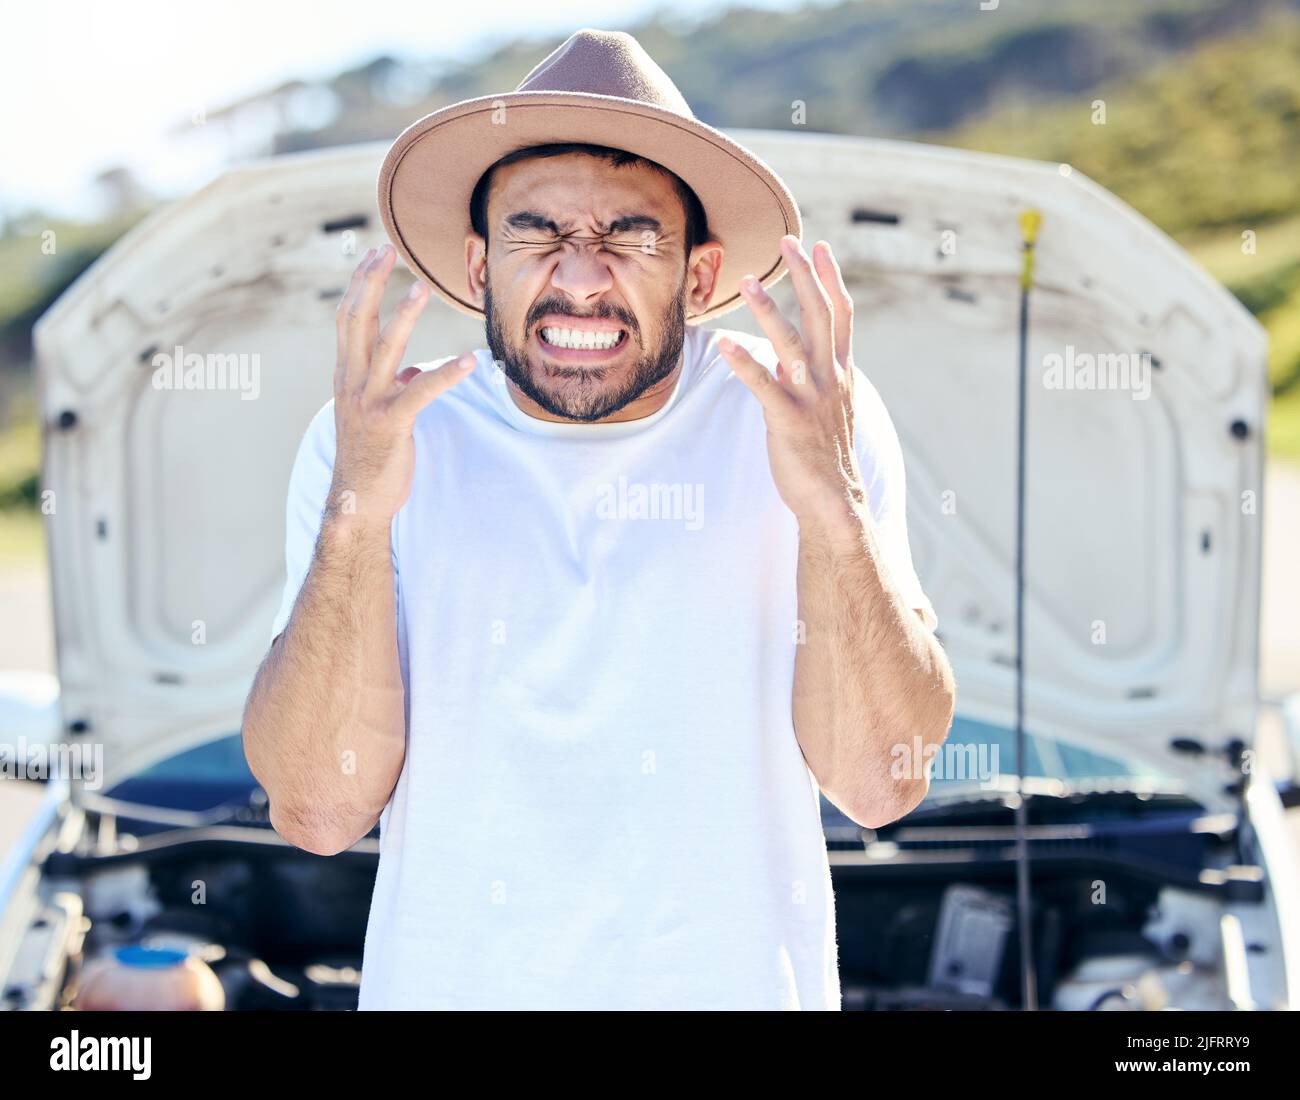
(584, 619)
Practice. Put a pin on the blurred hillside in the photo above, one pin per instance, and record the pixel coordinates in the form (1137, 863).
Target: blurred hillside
(1201, 131)
(887, 68)
(1208, 147)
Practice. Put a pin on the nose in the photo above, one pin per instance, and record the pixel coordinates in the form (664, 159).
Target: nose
(581, 274)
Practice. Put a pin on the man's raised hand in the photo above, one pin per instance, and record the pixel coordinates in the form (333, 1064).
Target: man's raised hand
(376, 401)
(808, 404)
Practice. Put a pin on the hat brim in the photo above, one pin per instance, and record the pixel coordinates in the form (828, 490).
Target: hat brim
(428, 175)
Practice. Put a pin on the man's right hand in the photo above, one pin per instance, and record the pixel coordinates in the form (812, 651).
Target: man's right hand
(375, 402)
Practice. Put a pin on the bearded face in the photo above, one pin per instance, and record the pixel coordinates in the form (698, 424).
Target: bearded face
(588, 278)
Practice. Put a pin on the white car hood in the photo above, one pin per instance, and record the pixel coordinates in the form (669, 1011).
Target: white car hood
(1143, 532)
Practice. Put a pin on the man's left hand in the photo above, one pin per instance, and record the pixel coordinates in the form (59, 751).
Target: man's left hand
(808, 404)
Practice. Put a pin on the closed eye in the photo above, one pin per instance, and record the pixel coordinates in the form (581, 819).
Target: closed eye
(620, 241)
(633, 240)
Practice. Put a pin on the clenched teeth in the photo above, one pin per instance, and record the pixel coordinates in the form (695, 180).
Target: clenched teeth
(576, 338)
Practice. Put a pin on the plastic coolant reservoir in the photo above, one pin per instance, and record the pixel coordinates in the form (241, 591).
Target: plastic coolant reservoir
(141, 979)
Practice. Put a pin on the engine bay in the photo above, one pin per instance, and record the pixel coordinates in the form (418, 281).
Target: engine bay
(1125, 916)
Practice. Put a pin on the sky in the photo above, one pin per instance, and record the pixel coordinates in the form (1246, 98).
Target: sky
(88, 85)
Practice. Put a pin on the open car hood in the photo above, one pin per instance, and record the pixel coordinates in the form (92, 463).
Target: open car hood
(1143, 529)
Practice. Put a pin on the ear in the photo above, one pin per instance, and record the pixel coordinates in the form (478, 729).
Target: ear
(702, 275)
(476, 267)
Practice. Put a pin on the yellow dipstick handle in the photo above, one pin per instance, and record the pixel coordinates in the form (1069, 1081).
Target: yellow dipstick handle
(1030, 220)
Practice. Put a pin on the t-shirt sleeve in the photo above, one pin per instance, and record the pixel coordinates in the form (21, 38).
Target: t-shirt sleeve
(880, 458)
(309, 483)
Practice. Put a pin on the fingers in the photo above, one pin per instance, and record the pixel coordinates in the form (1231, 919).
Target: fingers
(832, 278)
(341, 319)
(785, 338)
(391, 345)
(814, 302)
(423, 387)
(773, 396)
(363, 316)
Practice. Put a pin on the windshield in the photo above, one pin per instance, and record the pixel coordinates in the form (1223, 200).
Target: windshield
(200, 779)
(976, 754)
(979, 754)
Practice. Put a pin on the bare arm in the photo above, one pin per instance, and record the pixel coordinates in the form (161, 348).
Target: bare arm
(869, 676)
(324, 726)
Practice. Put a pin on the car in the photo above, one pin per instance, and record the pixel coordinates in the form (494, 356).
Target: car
(176, 378)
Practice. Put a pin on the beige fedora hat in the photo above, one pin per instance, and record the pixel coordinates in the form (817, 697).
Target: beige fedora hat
(602, 88)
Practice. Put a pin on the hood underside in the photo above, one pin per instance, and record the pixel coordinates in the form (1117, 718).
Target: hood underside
(1142, 538)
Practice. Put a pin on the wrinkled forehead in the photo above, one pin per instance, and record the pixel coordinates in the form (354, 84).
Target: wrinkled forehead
(581, 192)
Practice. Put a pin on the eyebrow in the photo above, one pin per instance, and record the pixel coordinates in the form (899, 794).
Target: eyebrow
(529, 219)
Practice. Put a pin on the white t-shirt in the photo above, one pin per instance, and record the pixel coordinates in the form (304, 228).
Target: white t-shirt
(603, 803)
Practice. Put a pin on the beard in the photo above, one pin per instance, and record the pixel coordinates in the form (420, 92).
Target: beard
(580, 395)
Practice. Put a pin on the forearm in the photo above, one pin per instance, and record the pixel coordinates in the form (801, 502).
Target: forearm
(324, 727)
(869, 676)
